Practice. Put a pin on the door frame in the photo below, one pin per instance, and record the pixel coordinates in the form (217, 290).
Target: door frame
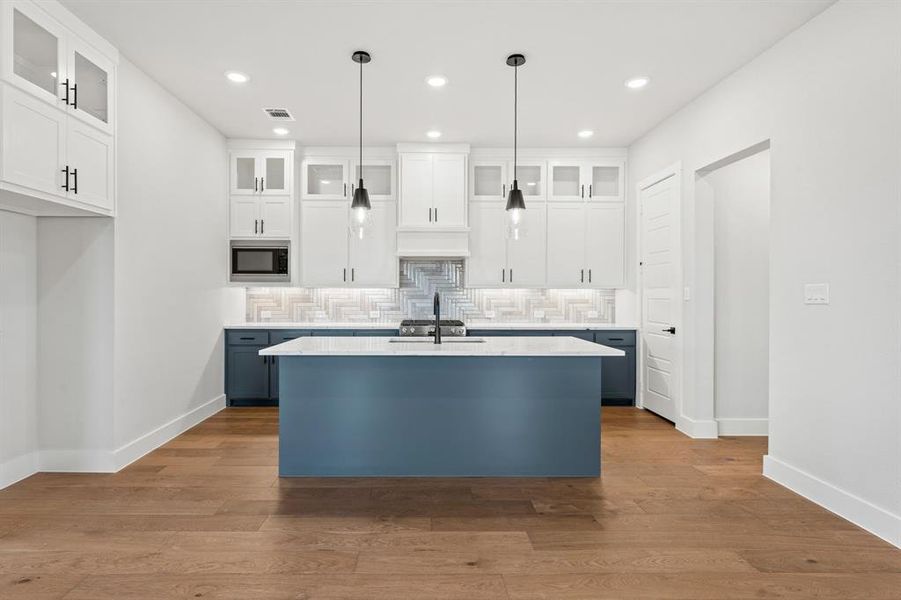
(673, 171)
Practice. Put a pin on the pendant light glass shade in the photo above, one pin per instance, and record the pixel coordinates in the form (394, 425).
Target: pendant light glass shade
(516, 205)
(360, 208)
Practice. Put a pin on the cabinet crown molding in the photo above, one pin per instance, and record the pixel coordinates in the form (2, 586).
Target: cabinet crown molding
(244, 144)
(404, 148)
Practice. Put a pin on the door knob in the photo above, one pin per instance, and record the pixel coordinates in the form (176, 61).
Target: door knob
(670, 330)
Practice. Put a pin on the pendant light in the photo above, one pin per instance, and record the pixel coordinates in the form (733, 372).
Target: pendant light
(515, 203)
(360, 206)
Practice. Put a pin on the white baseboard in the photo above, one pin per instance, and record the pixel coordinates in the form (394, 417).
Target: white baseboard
(132, 451)
(702, 430)
(76, 461)
(18, 468)
(862, 513)
(744, 426)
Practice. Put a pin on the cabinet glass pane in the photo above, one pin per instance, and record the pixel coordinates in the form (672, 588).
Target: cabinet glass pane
(91, 95)
(245, 173)
(529, 180)
(487, 180)
(376, 178)
(34, 53)
(605, 181)
(566, 181)
(325, 180)
(275, 173)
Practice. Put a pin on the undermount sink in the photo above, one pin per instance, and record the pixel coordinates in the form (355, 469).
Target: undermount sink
(431, 340)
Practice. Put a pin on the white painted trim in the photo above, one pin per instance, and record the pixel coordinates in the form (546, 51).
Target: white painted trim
(862, 513)
(132, 451)
(76, 461)
(18, 468)
(744, 426)
(699, 430)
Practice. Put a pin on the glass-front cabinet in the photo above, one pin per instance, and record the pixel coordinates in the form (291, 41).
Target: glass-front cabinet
(378, 177)
(325, 179)
(260, 172)
(47, 60)
(492, 180)
(597, 180)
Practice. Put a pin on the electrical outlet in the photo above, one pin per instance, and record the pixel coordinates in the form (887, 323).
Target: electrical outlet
(816, 293)
(373, 314)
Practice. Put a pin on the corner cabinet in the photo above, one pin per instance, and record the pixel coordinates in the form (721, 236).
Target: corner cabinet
(261, 185)
(58, 104)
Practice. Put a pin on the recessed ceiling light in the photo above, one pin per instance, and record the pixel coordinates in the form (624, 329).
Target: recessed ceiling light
(636, 83)
(586, 133)
(436, 81)
(433, 133)
(280, 131)
(237, 77)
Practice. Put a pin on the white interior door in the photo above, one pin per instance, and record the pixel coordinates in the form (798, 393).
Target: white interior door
(661, 297)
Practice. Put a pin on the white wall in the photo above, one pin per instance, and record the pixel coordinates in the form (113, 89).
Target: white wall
(18, 347)
(170, 268)
(827, 98)
(75, 343)
(741, 205)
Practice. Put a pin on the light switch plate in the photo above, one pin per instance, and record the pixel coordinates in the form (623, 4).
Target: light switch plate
(816, 293)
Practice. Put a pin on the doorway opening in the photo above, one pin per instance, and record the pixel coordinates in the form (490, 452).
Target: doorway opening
(733, 198)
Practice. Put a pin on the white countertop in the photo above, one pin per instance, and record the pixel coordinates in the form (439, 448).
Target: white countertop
(491, 346)
(469, 325)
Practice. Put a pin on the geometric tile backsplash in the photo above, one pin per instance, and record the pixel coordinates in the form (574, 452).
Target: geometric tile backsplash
(419, 279)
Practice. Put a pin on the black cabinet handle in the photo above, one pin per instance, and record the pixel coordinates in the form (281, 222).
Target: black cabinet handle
(511, 275)
(352, 274)
(436, 214)
(430, 215)
(248, 338)
(66, 184)
(262, 226)
(256, 223)
(75, 181)
(503, 275)
(345, 273)
(504, 190)
(256, 183)
(65, 84)
(75, 96)
(345, 190)
(589, 270)
(262, 184)
(582, 275)
(583, 190)
(616, 339)
(589, 190)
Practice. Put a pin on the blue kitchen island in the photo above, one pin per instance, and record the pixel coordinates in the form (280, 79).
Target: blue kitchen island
(470, 407)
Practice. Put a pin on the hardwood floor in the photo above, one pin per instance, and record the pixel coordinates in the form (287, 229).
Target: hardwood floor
(206, 516)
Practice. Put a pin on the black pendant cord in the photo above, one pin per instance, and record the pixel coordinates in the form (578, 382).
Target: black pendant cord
(515, 115)
(361, 120)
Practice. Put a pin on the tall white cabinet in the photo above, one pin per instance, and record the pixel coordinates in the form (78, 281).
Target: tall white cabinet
(261, 189)
(57, 112)
(331, 255)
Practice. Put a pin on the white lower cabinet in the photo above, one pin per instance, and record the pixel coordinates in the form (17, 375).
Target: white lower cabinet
(496, 261)
(585, 245)
(260, 217)
(332, 257)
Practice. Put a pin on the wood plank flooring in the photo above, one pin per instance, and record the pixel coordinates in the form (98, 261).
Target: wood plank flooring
(206, 516)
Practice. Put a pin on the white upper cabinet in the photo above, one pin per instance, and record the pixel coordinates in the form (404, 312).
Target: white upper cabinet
(325, 179)
(433, 190)
(261, 172)
(531, 177)
(566, 230)
(596, 180)
(261, 186)
(58, 110)
(585, 245)
(605, 244)
(496, 261)
(332, 257)
(378, 177)
(488, 180)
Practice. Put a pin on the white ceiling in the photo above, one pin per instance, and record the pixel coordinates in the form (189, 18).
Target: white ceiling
(578, 53)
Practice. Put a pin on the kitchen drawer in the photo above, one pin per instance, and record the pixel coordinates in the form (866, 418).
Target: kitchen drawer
(332, 332)
(510, 332)
(246, 337)
(278, 337)
(588, 336)
(376, 332)
(615, 338)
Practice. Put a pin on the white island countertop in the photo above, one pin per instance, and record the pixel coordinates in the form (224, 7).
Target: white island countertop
(488, 346)
(485, 325)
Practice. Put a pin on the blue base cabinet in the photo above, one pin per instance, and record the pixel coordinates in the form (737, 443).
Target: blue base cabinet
(252, 380)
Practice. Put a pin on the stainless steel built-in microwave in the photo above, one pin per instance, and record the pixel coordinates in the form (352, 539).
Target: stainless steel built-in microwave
(255, 261)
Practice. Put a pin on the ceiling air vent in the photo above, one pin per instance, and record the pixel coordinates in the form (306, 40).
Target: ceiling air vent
(278, 114)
